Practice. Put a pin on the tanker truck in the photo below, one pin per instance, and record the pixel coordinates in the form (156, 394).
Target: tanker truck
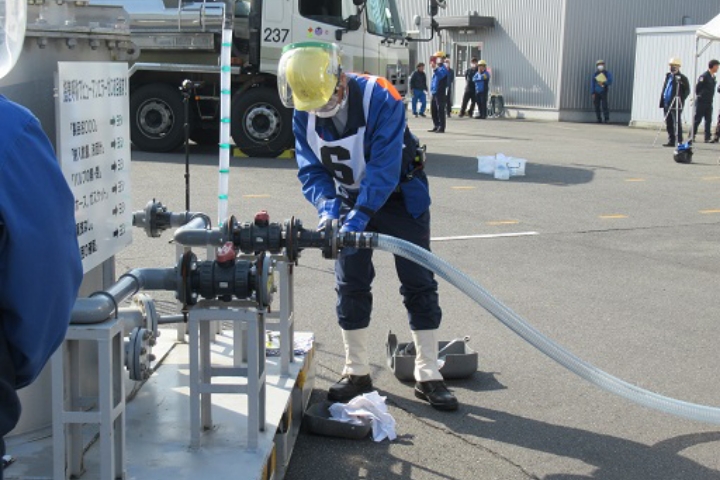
(180, 40)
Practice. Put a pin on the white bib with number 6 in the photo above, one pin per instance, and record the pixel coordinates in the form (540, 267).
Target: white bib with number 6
(344, 158)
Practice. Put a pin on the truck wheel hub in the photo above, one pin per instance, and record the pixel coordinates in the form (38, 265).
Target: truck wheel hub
(155, 118)
(262, 122)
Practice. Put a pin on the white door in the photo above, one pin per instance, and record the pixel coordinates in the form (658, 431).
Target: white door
(463, 53)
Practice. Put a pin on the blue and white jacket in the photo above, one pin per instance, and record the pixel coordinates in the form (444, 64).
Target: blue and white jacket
(40, 267)
(363, 164)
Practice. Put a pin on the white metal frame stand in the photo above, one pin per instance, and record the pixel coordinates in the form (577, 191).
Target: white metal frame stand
(69, 404)
(250, 345)
(284, 321)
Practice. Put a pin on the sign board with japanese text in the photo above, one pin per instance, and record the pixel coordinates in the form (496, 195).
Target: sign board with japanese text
(94, 151)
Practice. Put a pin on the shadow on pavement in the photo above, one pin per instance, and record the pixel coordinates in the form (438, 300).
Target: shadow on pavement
(452, 166)
(208, 156)
(615, 458)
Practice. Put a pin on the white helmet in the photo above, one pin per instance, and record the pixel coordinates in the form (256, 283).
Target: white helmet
(13, 18)
(674, 61)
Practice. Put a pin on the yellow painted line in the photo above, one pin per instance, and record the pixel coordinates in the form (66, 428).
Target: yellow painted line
(502, 222)
(256, 196)
(463, 188)
(634, 179)
(710, 211)
(558, 183)
(612, 217)
(711, 179)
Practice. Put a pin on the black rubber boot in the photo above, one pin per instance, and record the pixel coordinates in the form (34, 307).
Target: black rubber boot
(349, 387)
(436, 393)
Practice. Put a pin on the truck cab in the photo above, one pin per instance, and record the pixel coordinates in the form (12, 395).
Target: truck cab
(180, 40)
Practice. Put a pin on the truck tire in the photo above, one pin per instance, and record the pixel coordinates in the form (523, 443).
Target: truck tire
(158, 118)
(261, 125)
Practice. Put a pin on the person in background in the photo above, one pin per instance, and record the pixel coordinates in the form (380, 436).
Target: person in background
(356, 163)
(451, 84)
(599, 87)
(676, 89)
(438, 90)
(40, 267)
(481, 79)
(705, 93)
(469, 94)
(418, 85)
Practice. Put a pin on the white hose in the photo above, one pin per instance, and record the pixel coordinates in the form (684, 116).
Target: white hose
(225, 98)
(549, 347)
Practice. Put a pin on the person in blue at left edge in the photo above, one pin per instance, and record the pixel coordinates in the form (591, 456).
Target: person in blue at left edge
(438, 90)
(599, 88)
(355, 153)
(40, 267)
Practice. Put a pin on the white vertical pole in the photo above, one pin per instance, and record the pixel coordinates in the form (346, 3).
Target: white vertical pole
(225, 98)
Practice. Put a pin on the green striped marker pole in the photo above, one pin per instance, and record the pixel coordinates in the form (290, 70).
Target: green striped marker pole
(225, 147)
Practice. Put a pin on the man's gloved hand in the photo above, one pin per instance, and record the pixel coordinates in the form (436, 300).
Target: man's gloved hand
(328, 210)
(323, 222)
(355, 221)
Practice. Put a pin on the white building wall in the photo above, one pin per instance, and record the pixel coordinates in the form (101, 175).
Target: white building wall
(655, 46)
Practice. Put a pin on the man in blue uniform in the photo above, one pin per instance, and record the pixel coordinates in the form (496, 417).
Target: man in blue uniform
(481, 79)
(599, 88)
(438, 89)
(354, 154)
(40, 268)
(676, 89)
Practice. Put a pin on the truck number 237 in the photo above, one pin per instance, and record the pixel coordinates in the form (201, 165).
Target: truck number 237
(276, 35)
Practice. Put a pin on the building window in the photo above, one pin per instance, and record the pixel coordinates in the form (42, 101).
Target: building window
(333, 12)
(463, 54)
(383, 18)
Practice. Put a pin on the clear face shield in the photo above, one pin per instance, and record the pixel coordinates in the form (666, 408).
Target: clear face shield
(13, 18)
(309, 78)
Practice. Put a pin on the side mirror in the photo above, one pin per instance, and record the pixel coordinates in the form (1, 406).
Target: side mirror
(352, 23)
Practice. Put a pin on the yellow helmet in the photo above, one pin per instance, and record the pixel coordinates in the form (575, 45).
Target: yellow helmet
(439, 54)
(675, 61)
(483, 63)
(308, 74)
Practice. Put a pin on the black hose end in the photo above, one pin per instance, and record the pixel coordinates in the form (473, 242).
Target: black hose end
(358, 240)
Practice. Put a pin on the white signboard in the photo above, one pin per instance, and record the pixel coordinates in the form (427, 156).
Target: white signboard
(94, 151)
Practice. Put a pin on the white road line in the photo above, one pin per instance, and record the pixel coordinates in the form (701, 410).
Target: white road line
(471, 237)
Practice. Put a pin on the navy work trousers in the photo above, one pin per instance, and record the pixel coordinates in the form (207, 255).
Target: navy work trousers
(481, 98)
(600, 101)
(437, 110)
(703, 111)
(354, 272)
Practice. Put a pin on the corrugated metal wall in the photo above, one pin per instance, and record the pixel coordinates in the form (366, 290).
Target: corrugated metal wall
(654, 48)
(523, 49)
(606, 30)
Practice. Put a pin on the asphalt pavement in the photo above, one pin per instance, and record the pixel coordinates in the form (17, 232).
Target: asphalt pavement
(606, 245)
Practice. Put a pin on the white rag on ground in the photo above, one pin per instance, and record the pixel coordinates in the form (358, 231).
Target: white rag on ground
(363, 408)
